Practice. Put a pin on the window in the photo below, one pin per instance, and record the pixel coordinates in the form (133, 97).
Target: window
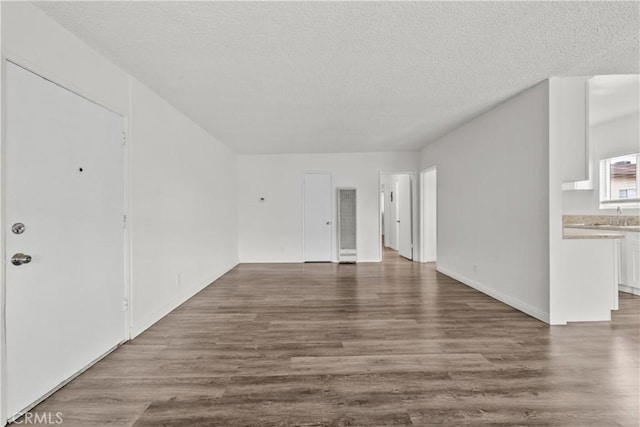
(627, 193)
(619, 181)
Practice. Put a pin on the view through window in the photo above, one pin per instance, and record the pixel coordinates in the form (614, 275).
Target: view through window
(620, 180)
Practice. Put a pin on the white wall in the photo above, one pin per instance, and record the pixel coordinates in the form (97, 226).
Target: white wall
(493, 201)
(183, 189)
(609, 139)
(38, 43)
(183, 208)
(271, 231)
(428, 212)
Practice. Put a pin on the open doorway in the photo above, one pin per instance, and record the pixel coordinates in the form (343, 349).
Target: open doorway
(428, 217)
(396, 214)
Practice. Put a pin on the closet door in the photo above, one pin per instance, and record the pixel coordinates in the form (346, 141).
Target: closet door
(317, 217)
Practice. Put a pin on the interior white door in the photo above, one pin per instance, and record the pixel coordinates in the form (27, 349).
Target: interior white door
(64, 182)
(405, 228)
(317, 217)
(396, 219)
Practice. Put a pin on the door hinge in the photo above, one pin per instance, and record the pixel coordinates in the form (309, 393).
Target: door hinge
(124, 137)
(124, 221)
(125, 304)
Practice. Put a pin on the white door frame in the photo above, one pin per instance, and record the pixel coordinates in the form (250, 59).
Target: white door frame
(382, 193)
(414, 213)
(423, 223)
(34, 68)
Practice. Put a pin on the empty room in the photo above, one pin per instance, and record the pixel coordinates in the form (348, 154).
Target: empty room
(320, 213)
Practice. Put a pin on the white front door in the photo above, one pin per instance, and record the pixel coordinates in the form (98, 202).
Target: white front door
(64, 183)
(317, 217)
(405, 229)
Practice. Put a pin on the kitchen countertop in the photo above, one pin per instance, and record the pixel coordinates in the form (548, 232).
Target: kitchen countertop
(604, 227)
(570, 232)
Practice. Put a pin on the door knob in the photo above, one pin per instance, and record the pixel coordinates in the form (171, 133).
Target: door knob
(20, 258)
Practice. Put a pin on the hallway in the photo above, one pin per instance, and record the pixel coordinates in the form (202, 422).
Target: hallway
(394, 343)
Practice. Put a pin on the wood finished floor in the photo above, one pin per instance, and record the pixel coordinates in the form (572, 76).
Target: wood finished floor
(356, 345)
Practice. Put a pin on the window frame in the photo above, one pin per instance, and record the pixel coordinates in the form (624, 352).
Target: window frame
(606, 202)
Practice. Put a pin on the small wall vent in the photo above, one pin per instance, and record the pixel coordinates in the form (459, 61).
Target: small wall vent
(347, 225)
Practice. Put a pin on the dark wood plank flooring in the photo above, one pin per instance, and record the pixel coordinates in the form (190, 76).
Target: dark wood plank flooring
(394, 343)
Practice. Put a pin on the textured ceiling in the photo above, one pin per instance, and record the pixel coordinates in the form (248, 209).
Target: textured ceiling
(284, 77)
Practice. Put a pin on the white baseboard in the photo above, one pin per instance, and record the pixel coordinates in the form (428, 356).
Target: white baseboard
(513, 302)
(629, 289)
(299, 261)
(141, 326)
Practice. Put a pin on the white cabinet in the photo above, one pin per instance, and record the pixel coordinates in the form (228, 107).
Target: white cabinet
(630, 265)
(569, 126)
(574, 125)
(585, 288)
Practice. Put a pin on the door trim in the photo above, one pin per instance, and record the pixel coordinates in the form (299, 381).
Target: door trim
(127, 164)
(3, 341)
(422, 214)
(333, 217)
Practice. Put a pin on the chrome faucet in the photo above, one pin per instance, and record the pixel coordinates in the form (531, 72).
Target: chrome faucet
(619, 216)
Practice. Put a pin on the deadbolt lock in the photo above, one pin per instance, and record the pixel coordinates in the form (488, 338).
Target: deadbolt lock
(18, 228)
